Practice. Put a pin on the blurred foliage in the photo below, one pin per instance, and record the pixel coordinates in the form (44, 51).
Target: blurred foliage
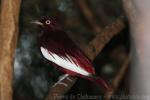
(33, 75)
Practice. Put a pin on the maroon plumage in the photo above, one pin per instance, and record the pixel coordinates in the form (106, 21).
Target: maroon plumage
(60, 50)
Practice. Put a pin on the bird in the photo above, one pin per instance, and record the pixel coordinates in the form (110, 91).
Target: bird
(56, 47)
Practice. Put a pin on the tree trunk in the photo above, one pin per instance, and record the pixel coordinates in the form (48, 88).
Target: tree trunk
(138, 15)
(9, 16)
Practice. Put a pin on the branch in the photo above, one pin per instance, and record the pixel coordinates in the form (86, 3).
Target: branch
(88, 15)
(101, 39)
(9, 16)
(94, 47)
(116, 81)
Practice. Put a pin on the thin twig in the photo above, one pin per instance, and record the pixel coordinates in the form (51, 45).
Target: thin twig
(9, 16)
(88, 15)
(94, 47)
(116, 81)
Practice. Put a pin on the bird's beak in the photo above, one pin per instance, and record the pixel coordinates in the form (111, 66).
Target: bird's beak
(37, 23)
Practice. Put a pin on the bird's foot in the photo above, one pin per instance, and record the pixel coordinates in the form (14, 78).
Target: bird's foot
(69, 79)
(60, 81)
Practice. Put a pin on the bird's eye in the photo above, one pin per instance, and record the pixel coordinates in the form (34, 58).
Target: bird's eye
(48, 22)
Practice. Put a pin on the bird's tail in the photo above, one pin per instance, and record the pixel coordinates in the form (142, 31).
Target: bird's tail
(101, 82)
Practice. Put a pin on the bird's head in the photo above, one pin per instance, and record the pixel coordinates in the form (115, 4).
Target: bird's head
(47, 23)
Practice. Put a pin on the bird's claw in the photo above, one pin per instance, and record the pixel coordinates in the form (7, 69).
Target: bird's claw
(61, 83)
(60, 80)
(69, 79)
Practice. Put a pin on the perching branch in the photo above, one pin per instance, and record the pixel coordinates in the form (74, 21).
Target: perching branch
(116, 81)
(9, 16)
(94, 47)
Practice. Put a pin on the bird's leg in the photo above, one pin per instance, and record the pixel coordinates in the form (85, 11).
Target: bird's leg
(66, 78)
(62, 78)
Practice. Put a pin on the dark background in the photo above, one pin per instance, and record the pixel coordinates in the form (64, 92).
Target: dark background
(34, 76)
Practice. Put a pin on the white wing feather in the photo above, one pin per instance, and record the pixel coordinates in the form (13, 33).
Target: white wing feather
(64, 62)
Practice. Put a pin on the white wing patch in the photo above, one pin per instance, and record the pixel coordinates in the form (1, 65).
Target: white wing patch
(65, 62)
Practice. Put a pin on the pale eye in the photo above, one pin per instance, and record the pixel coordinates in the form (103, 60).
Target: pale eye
(48, 22)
